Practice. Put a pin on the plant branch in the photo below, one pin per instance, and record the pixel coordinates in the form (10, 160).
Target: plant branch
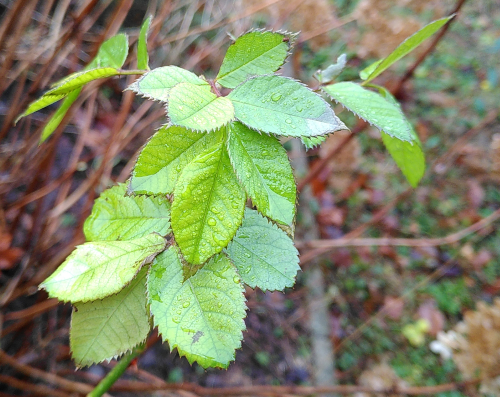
(117, 371)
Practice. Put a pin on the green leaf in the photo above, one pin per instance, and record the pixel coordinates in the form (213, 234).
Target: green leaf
(107, 328)
(264, 170)
(198, 108)
(142, 45)
(201, 317)
(407, 46)
(99, 269)
(263, 254)
(112, 53)
(312, 142)
(372, 107)
(366, 72)
(409, 156)
(165, 156)
(119, 217)
(254, 53)
(79, 79)
(279, 105)
(40, 103)
(208, 205)
(57, 117)
(157, 83)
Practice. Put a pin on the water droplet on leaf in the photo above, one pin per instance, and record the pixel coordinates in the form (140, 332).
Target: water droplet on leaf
(211, 222)
(276, 97)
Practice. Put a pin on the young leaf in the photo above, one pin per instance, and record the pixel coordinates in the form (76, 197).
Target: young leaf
(201, 317)
(112, 53)
(99, 269)
(79, 79)
(57, 117)
(407, 46)
(142, 45)
(198, 108)
(263, 254)
(107, 328)
(157, 83)
(332, 71)
(279, 105)
(254, 53)
(372, 107)
(165, 156)
(208, 205)
(119, 217)
(366, 72)
(40, 103)
(263, 168)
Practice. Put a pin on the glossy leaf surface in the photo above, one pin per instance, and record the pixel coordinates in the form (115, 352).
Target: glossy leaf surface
(208, 205)
(263, 254)
(116, 216)
(263, 168)
(254, 53)
(201, 317)
(99, 269)
(279, 105)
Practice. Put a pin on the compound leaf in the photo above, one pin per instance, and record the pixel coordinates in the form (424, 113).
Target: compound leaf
(263, 254)
(279, 105)
(99, 269)
(198, 108)
(165, 156)
(201, 317)
(116, 216)
(404, 48)
(107, 328)
(208, 205)
(157, 83)
(142, 45)
(254, 53)
(262, 166)
(373, 108)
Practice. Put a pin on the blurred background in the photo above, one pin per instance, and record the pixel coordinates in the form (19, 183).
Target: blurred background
(363, 312)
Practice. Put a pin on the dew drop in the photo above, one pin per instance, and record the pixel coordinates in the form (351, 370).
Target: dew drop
(181, 107)
(211, 222)
(236, 279)
(214, 210)
(176, 320)
(288, 121)
(185, 304)
(276, 97)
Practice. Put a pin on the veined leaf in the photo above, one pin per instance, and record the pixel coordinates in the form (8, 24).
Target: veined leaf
(208, 205)
(254, 53)
(99, 269)
(372, 107)
(201, 317)
(406, 47)
(409, 156)
(165, 156)
(198, 108)
(263, 254)
(312, 142)
(107, 328)
(57, 117)
(279, 105)
(79, 79)
(157, 83)
(264, 170)
(116, 216)
(112, 53)
(142, 45)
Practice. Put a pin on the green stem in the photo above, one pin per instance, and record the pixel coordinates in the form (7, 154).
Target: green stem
(124, 72)
(118, 370)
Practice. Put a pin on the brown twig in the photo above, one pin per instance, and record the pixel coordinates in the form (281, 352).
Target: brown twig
(37, 389)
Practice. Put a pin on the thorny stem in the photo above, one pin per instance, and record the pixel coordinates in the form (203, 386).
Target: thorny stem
(118, 370)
